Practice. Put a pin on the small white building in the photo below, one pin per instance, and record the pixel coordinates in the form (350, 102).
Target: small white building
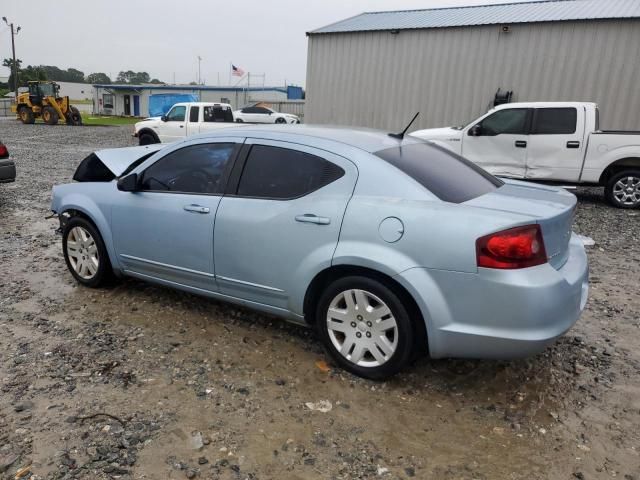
(135, 100)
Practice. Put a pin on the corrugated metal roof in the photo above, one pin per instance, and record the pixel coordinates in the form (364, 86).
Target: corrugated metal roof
(506, 13)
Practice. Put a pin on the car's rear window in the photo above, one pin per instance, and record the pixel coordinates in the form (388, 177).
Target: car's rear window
(448, 176)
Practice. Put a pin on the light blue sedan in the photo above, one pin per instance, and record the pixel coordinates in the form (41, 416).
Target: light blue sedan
(387, 246)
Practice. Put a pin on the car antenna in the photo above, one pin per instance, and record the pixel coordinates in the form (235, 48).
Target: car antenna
(401, 134)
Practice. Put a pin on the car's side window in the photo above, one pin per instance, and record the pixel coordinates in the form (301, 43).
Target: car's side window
(248, 110)
(194, 169)
(554, 121)
(176, 114)
(262, 110)
(282, 173)
(510, 121)
(194, 113)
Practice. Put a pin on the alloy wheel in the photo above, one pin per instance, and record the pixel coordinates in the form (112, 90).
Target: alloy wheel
(626, 191)
(362, 328)
(83, 253)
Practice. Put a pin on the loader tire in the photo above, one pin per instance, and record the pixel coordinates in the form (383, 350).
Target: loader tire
(26, 115)
(50, 116)
(76, 118)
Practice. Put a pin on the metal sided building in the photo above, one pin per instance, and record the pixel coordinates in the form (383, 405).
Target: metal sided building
(378, 68)
(134, 100)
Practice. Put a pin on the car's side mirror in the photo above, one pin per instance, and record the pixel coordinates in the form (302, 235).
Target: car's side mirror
(475, 131)
(128, 183)
(163, 118)
(270, 113)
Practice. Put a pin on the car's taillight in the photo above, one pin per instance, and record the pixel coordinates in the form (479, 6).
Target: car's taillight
(3, 151)
(518, 247)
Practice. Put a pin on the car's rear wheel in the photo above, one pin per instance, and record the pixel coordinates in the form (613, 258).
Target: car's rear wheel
(239, 120)
(365, 327)
(623, 189)
(85, 254)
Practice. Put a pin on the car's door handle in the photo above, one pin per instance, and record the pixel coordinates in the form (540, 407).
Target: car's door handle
(311, 218)
(574, 144)
(521, 144)
(196, 208)
(181, 126)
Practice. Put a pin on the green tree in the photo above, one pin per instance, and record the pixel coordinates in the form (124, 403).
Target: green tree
(98, 77)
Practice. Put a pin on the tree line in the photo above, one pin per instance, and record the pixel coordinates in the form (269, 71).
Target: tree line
(50, 72)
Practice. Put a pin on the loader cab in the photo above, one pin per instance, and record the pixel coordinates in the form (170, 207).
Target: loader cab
(38, 90)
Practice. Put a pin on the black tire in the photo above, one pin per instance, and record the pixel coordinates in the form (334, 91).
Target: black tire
(26, 115)
(76, 118)
(49, 115)
(239, 120)
(612, 193)
(281, 120)
(147, 139)
(104, 273)
(404, 328)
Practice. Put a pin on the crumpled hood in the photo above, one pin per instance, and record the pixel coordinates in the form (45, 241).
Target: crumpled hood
(118, 159)
(437, 133)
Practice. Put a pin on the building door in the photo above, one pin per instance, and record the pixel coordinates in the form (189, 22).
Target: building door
(136, 105)
(127, 104)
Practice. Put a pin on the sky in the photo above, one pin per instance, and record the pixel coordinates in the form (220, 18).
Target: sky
(164, 38)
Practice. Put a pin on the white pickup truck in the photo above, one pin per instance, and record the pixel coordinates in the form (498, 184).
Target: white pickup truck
(554, 142)
(184, 120)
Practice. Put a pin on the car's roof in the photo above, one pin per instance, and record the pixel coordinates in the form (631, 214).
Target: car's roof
(363, 138)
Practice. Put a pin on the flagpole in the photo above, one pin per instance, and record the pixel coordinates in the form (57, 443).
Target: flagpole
(230, 69)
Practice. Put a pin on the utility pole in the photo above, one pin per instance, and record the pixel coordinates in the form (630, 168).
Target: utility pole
(13, 49)
(199, 77)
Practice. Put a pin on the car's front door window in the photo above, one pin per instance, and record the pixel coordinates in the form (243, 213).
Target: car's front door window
(511, 121)
(198, 169)
(176, 114)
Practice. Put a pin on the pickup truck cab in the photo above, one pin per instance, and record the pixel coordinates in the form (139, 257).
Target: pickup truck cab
(184, 120)
(553, 142)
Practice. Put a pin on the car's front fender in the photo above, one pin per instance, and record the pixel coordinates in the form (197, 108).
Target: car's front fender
(76, 198)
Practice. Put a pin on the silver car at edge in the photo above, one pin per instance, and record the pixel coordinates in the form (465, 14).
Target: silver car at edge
(388, 247)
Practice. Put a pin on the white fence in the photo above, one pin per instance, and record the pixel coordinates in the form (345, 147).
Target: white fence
(5, 107)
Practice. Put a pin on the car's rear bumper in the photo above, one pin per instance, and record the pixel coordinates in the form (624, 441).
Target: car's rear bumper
(500, 314)
(7, 170)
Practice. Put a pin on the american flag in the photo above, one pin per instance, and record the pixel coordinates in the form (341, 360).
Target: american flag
(236, 71)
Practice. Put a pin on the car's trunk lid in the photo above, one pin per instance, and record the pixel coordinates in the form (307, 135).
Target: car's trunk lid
(550, 207)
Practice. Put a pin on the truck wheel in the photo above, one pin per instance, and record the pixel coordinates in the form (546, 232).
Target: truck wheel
(50, 116)
(147, 139)
(622, 190)
(26, 115)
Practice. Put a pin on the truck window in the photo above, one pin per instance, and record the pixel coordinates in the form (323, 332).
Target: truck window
(176, 114)
(554, 121)
(194, 113)
(217, 113)
(509, 121)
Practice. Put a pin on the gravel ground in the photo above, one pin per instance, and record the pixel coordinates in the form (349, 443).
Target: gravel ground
(138, 381)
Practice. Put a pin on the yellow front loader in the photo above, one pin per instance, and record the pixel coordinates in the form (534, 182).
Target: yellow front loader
(43, 100)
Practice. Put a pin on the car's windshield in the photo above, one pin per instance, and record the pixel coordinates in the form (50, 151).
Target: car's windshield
(448, 176)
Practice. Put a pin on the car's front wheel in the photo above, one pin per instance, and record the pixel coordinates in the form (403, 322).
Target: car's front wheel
(281, 120)
(85, 254)
(365, 327)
